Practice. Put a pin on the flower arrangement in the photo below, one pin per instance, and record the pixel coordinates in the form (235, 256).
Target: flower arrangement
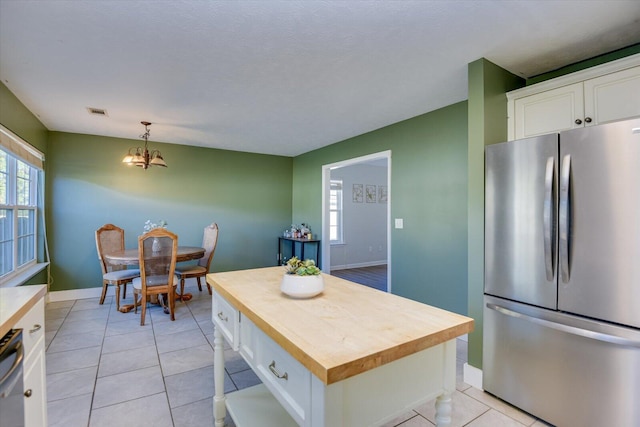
(302, 268)
(148, 226)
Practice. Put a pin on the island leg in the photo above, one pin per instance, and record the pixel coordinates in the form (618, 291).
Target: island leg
(219, 408)
(443, 410)
(444, 407)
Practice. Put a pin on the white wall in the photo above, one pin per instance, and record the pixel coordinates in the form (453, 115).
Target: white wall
(365, 224)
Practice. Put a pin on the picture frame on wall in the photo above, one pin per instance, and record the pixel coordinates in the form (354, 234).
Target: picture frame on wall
(382, 194)
(357, 193)
(370, 193)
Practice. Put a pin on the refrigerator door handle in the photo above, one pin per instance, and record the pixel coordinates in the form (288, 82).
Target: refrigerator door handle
(564, 218)
(549, 218)
(599, 336)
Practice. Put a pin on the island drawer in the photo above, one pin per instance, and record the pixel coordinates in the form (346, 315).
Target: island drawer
(285, 377)
(226, 318)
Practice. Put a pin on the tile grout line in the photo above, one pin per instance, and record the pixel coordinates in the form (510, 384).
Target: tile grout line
(164, 377)
(95, 382)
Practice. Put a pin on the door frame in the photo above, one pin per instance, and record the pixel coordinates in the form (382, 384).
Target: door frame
(326, 185)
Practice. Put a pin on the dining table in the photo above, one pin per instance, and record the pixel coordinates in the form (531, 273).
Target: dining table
(130, 257)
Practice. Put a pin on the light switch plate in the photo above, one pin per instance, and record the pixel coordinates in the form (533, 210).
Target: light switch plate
(399, 223)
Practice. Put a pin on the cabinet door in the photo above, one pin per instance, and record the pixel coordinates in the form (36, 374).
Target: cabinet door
(35, 383)
(550, 111)
(612, 97)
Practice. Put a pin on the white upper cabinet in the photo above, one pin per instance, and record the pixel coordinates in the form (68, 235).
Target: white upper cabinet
(613, 97)
(602, 94)
(550, 111)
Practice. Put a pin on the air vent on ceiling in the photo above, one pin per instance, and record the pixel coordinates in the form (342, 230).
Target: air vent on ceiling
(97, 111)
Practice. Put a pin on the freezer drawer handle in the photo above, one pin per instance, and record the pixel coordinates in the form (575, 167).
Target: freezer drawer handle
(565, 214)
(549, 218)
(612, 339)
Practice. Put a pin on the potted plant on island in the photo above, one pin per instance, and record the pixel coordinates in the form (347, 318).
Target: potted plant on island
(302, 279)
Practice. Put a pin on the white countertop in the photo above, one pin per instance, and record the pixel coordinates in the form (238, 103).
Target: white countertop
(15, 302)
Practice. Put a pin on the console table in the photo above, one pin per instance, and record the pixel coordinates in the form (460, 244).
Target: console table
(351, 356)
(302, 242)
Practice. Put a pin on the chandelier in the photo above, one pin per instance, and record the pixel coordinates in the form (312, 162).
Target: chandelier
(142, 157)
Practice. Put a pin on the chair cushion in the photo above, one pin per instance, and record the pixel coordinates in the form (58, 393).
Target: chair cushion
(191, 269)
(122, 274)
(154, 281)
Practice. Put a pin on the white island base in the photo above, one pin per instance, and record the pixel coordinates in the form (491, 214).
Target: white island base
(368, 399)
(326, 362)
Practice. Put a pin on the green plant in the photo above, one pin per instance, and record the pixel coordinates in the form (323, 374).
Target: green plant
(302, 268)
(148, 225)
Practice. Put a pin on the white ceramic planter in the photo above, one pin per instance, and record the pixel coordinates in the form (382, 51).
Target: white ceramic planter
(301, 286)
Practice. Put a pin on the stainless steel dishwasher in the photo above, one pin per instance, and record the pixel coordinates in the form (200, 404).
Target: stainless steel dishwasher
(11, 384)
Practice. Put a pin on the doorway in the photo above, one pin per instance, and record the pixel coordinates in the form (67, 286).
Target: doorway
(362, 242)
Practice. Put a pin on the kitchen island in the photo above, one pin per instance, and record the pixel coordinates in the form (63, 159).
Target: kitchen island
(351, 356)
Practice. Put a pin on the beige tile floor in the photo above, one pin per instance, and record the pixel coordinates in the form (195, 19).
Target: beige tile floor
(104, 369)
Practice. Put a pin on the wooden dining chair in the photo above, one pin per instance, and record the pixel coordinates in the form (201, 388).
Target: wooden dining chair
(157, 252)
(209, 243)
(110, 238)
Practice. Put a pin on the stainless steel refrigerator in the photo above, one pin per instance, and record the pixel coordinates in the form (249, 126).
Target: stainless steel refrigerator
(562, 275)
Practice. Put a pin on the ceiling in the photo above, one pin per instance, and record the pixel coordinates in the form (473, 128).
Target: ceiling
(279, 77)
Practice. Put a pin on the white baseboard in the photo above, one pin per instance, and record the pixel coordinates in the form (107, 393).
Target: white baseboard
(72, 294)
(472, 376)
(86, 293)
(359, 265)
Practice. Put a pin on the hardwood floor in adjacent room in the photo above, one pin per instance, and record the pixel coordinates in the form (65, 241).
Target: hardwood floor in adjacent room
(374, 276)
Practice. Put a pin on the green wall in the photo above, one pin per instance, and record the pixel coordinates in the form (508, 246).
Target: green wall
(248, 195)
(488, 85)
(428, 190)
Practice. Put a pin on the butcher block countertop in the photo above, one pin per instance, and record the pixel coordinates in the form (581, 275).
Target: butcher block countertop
(15, 302)
(346, 330)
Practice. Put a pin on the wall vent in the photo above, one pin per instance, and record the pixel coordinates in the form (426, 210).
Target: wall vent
(97, 111)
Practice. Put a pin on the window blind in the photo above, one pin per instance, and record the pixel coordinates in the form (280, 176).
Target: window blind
(13, 144)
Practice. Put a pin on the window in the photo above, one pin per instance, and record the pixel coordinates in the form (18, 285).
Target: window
(335, 212)
(18, 209)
